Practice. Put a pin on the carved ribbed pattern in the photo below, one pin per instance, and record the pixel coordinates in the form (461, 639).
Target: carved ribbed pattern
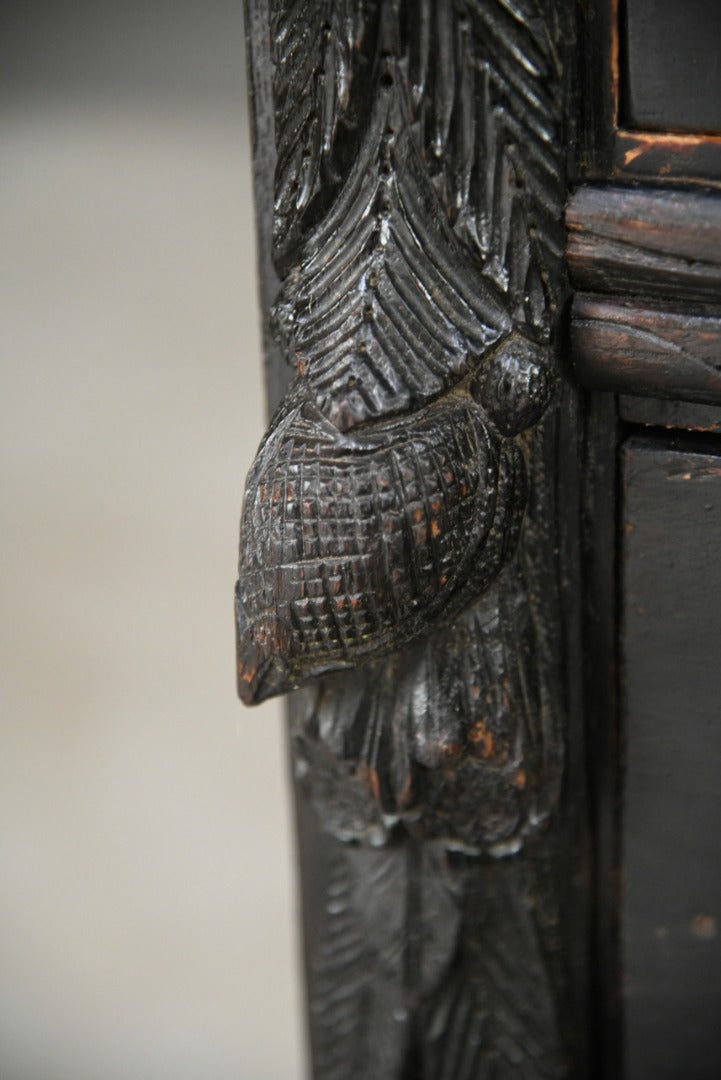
(387, 309)
(464, 706)
(485, 79)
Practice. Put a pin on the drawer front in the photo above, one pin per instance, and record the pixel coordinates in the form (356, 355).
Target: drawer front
(671, 767)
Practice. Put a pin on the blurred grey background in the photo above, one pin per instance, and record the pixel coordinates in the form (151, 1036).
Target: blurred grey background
(147, 899)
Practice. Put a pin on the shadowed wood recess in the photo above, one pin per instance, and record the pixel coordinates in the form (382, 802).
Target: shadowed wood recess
(407, 535)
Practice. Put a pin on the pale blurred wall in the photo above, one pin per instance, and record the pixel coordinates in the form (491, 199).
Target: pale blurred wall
(147, 901)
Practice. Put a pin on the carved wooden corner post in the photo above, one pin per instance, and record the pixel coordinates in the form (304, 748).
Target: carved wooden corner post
(407, 527)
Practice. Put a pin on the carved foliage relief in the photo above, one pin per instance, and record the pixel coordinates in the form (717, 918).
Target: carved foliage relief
(398, 540)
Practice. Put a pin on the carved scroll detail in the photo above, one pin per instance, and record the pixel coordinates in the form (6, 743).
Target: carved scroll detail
(397, 542)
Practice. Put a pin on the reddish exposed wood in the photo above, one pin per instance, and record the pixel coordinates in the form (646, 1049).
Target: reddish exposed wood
(649, 351)
(615, 75)
(663, 243)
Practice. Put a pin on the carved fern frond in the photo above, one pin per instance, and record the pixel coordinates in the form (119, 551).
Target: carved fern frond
(384, 308)
(454, 723)
(315, 54)
(417, 239)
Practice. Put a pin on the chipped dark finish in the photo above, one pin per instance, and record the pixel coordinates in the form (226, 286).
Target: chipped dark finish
(650, 351)
(644, 241)
(362, 539)
(665, 245)
(399, 288)
(406, 537)
(661, 243)
(647, 155)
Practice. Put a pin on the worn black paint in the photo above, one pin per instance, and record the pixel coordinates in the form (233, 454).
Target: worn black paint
(641, 249)
(652, 350)
(663, 243)
(597, 575)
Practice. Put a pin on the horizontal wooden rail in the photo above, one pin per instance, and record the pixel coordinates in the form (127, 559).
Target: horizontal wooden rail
(646, 350)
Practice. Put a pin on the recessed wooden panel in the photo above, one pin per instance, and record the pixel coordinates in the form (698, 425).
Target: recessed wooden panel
(673, 65)
(671, 714)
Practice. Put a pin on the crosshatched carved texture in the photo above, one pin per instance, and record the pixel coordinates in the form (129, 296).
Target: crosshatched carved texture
(353, 544)
(398, 543)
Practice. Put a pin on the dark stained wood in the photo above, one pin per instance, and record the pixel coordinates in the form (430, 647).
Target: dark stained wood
(668, 156)
(671, 650)
(671, 53)
(410, 548)
(409, 541)
(596, 86)
(257, 33)
(655, 412)
(609, 148)
(651, 351)
(664, 243)
(652, 257)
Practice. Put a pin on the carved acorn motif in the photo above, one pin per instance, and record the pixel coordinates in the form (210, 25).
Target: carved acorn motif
(354, 543)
